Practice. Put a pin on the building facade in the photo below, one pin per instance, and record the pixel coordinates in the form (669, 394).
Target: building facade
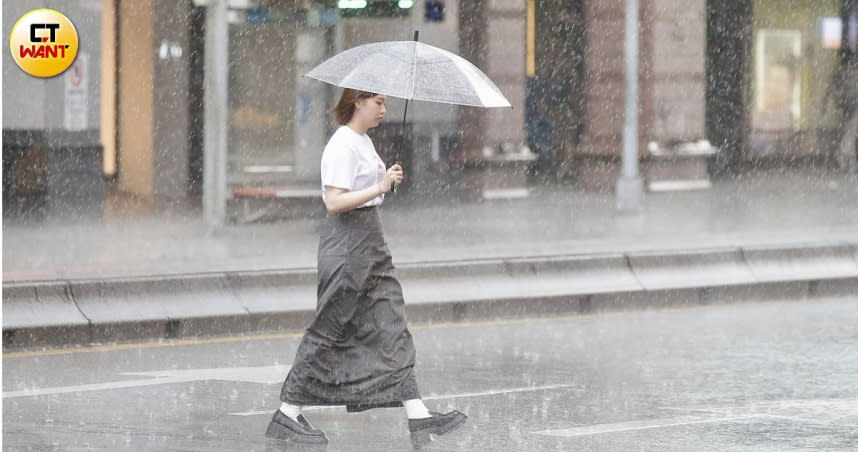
(753, 76)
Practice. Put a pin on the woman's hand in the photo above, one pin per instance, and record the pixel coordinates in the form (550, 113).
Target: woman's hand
(339, 200)
(394, 175)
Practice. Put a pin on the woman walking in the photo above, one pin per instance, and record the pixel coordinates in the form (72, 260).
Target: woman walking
(357, 351)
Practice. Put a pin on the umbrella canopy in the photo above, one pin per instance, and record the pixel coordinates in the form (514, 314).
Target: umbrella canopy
(411, 70)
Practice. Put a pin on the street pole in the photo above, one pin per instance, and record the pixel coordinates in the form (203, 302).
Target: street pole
(215, 106)
(630, 185)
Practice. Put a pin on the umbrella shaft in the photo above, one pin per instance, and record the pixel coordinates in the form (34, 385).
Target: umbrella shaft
(401, 134)
(402, 129)
(401, 140)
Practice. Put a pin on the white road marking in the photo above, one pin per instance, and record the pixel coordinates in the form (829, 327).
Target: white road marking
(819, 411)
(824, 410)
(434, 397)
(637, 425)
(92, 387)
(264, 375)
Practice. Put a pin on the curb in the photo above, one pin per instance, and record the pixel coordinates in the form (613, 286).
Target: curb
(97, 311)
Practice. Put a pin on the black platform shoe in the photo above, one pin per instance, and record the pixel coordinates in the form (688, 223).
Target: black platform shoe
(425, 430)
(284, 427)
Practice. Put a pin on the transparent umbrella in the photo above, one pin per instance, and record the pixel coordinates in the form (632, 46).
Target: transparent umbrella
(410, 70)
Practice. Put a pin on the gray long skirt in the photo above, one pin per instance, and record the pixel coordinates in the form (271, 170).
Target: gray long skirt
(357, 351)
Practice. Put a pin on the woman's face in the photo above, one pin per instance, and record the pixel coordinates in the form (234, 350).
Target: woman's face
(370, 110)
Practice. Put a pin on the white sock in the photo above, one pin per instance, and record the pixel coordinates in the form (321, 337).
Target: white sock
(415, 409)
(293, 411)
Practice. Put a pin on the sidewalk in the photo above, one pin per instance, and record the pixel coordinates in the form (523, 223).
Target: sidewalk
(145, 276)
(760, 210)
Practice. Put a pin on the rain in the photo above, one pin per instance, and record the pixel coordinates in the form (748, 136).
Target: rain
(535, 225)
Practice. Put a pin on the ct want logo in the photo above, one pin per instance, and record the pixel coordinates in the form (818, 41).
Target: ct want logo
(44, 42)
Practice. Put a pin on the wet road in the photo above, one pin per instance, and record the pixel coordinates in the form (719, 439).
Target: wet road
(755, 377)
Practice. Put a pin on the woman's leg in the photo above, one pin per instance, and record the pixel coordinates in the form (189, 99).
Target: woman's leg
(293, 411)
(415, 409)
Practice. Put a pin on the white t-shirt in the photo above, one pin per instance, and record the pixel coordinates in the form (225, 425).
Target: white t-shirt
(350, 161)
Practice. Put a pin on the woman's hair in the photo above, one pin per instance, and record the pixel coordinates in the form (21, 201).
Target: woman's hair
(345, 108)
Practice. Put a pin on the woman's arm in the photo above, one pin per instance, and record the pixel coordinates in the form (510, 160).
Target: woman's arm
(340, 200)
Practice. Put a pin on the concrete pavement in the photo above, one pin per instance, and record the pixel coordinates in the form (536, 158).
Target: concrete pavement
(107, 310)
(748, 377)
(778, 235)
(761, 209)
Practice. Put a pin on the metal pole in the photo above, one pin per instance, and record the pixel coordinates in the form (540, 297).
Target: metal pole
(630, 185)
(215, 117)
(398, 153)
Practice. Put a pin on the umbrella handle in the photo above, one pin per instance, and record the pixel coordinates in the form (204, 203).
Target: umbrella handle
(392, 183)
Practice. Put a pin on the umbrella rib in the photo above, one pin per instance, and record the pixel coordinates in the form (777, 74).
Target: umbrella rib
(385, 74)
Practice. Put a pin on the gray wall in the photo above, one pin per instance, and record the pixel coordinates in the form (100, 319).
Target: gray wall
(679, 60)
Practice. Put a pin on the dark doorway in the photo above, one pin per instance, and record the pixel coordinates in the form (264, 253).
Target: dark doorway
(196, 92)
(729, 34)
(555, 94)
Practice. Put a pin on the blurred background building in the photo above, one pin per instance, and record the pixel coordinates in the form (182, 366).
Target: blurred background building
(766, 81)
